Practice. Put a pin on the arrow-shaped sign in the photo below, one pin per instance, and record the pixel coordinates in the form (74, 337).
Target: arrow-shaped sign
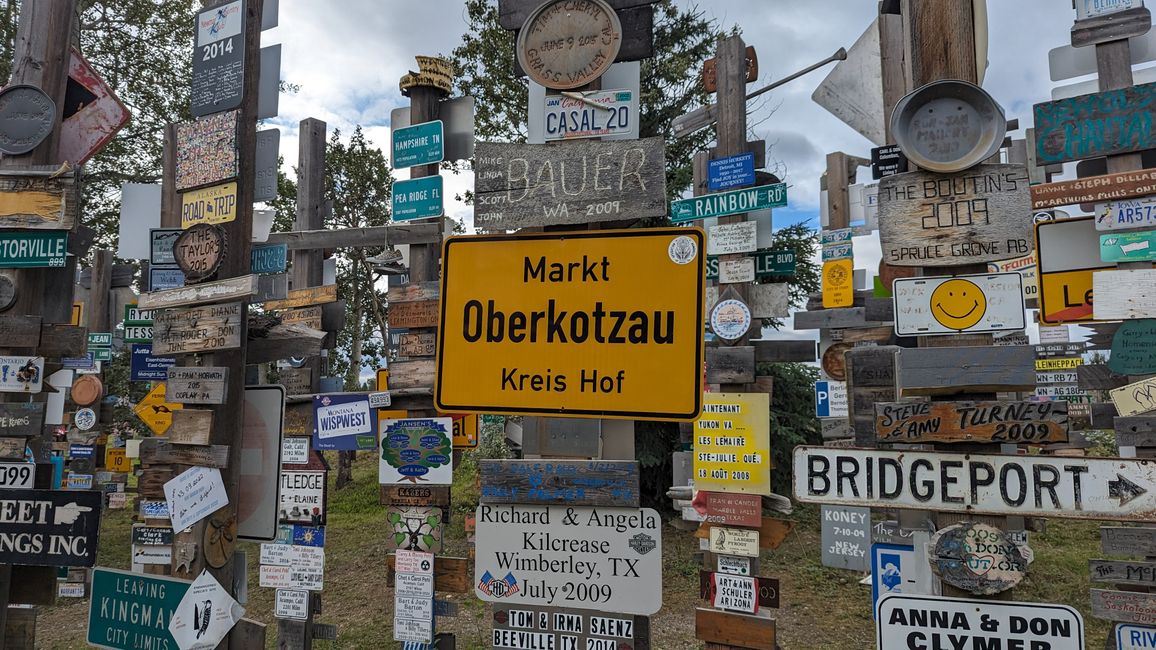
(1124, 490)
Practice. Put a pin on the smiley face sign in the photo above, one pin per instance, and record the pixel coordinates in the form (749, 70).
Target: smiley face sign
(967, 303)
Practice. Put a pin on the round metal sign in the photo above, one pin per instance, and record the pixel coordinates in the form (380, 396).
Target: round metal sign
(569, 43)
(730, 319)
(27, 116)
(978, 558)
(948, 126)
(84, 419)
(199, 251)
(7, 293)
(833, 362)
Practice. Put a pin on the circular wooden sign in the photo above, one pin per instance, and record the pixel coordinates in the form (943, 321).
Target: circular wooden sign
(27, 115)
(87, 390)
(200, 250)
(978, 558)
(7, 293)
(833, 362)
(569, 43)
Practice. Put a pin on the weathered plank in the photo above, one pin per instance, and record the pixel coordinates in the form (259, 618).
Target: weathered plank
(297, 381)
(415, 495)
(831, 318)
(1117, 26)
(199, 329)
(772, 532)
(200, 294)
(1097, 376)
(1094, 189)
(151, 484)
(451, 574)
(12, 448)
(733, 629)
(1135, 431)
(284, 341)
(416, 292)
(20, 629)
(570, 482)
(974, 422)
(24, 419)
(979, 215)
(157, 451)
(878, 335)
(1124, 606)
(392, 235)
(304, 298)
(1123, 572)
(414, 314)
(18, 331)
(731, 365)
(525, 185)
(191, 427)
(512, 14)
(770, 300)
(1099, 124)
(785, 351)
(1134, 347)
(62, 341)
(871, 377)
(951, 370)
(1136, 398)
(879, 309)
(1124, 294)
(417, 344)
(196, 385)
(1128, 540)
(412, 374)
(38, 201)
(1102, 416)
(308, 316)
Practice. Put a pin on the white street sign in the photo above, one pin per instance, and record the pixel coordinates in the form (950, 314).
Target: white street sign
(904, 621)
(292, 604)
(966, 303)
(740, 566)
(608, 559)
(1121, 489)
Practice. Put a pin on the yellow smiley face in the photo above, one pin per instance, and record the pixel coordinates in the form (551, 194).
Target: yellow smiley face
(958, 304)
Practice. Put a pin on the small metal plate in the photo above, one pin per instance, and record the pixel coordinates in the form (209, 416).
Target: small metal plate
(27, 116)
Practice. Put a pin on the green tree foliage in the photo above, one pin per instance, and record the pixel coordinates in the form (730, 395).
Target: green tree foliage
(793, 419)
(683, 39)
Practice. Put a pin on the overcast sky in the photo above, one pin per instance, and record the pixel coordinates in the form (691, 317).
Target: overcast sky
(349, 58)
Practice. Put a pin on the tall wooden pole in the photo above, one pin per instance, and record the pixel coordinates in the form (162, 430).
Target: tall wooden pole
(424, 106)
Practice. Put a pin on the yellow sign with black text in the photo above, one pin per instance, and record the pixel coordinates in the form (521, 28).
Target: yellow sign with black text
(595, 324)
(216, 204)
(838, 283)
(732, 443)
(1067, 254)
(116, 459)
(155, 412)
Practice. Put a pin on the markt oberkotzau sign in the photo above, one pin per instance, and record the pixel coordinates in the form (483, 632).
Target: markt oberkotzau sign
(586, 324)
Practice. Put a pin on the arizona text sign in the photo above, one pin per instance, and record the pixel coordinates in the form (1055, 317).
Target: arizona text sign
(585, 324)
(1121, 489)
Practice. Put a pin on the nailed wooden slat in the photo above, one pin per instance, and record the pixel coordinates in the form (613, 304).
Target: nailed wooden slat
(393, 235)
(304, 298)
(733, 365)
(1123, 572)
(1103, 415)
(1124, 294)
(284, 341)
(828, 318)
(451, 574)
(33, 585)
(1139, 431)
(573, 482)
(734, 630)
(1098, 124)
(35, 200)
(191, 427)
(240, 288)
(62, 341)
(18, 331)
(1128, 540)
(871, 377)
(198, 329)
(415, 292)
(951, 370)
(20, 629)
(1097, 377)
(22, 419)
(415, 495)
(1094, 189)
(162, 452)
(1124, 606)
(196, 384)
(983, 422)
(879, 309)
(417, 344)
(770, 300)
(1115, 26)
(308, 316)
(151, 483)
(423, 313)
(785, 351)
(412, 374)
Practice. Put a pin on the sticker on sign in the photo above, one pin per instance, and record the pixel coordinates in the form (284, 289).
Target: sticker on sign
(911, 621)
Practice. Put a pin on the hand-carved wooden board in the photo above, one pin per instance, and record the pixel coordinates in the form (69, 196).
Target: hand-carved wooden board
(305, 297)
(239, 288)
(524, 185)
(1125, 572)
(307, 316)
(571, 482)
(199, 329)
(1094, 189)
(196, 385)
(414, 314)
(1005, 422)
(979, 215)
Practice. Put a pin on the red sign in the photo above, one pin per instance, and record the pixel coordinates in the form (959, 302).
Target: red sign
(729, 508)
(92, 113)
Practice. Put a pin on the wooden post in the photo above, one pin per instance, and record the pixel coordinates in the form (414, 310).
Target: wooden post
(98, 295)
(424, 106)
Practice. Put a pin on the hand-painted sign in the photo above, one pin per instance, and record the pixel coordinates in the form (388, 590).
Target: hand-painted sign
(732, 443)
(38, 202)
(29, 250)
(1052, 486)
(200, 250)
(488, 362)
(578, 482)
(269, 258)
(414, 528)
(22, 420)
(55, 528)
(972, 422)
(1119, 215)
(420, 144)
(130, 611)
(1124, 606)
(21, 374)
(1068, 256)
(1134, 348)
(846, 537)
(145, 367)
(418, 198)
(416, 450)
(978, 558)
(521, 185)
(196, 385)
(729, 509)
(1128, 246)
(727, 203)
(902, 623)
(731, 172)
(1099, 124)
(219, 59)
(608, 559)
(199, 329)
(215, 204)
(979, 215)
(593, 114)
(343, 422)
(965, 303)
(302, 497)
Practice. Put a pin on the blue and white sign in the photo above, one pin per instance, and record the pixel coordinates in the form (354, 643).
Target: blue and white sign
(165, 279)
(596, 114)
(418, 198)
(343, 422)
(1135, 637)
(79, 363)
(830, 399)
(893, 571)
(269, 258)
(421, 144)
(143, 366)
(731, 172)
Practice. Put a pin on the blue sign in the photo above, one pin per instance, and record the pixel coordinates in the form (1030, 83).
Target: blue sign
(308, 535)
(421, 144)
(165, 278)
(145, 367)
(731, 172)
(344, 422)
(79, 363)
(269, 258)
(81, 451)
(419, 198)
(893, 571)
(823, 399)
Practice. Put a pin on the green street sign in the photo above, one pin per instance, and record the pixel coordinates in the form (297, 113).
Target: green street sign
(101, 354)
(768, 263)
(721, 204)
(1128, 246)
(99, 339)
(418, 198)
(420, 144)
(134, 333)
(131, 610)
(31, 250)
(135, 316)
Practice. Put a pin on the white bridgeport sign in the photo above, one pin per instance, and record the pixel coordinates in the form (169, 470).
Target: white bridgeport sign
(1121, 489)
(607, 559)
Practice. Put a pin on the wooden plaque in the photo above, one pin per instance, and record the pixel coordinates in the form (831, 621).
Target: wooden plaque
(19, 331)
(733, 629)
(304, 298)
(38, 202)
(1124, 606)
(307, 316)
(196, 385)
(1124, 294)
(415, 495)
(564, 47)
(772, 532)
(418, 344)
(947, 371)
(239, 288)
(200, 329)
(200, 250)
(191, 427)
(833, 363)
(413, 314)
(412, 374)
(1099, 124)
(21, 419)
(983, 422)
(978, 215)
(1128, 540)
(1094, 189)
(1124, 572)
(569, 482)
(158, 451)
(871, 378)
(86, 390)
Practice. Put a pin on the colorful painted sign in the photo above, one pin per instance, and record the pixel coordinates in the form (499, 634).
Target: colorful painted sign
(732, 443)
(414, 528)
(1099, 124)
(207, 150)
(416, 450)
(964, 303)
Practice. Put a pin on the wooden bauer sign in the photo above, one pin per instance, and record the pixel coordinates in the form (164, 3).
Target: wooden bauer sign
(979, 215)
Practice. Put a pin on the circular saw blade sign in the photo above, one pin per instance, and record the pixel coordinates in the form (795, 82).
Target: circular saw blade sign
(27, 115)
(199, 251)
(566, 45)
